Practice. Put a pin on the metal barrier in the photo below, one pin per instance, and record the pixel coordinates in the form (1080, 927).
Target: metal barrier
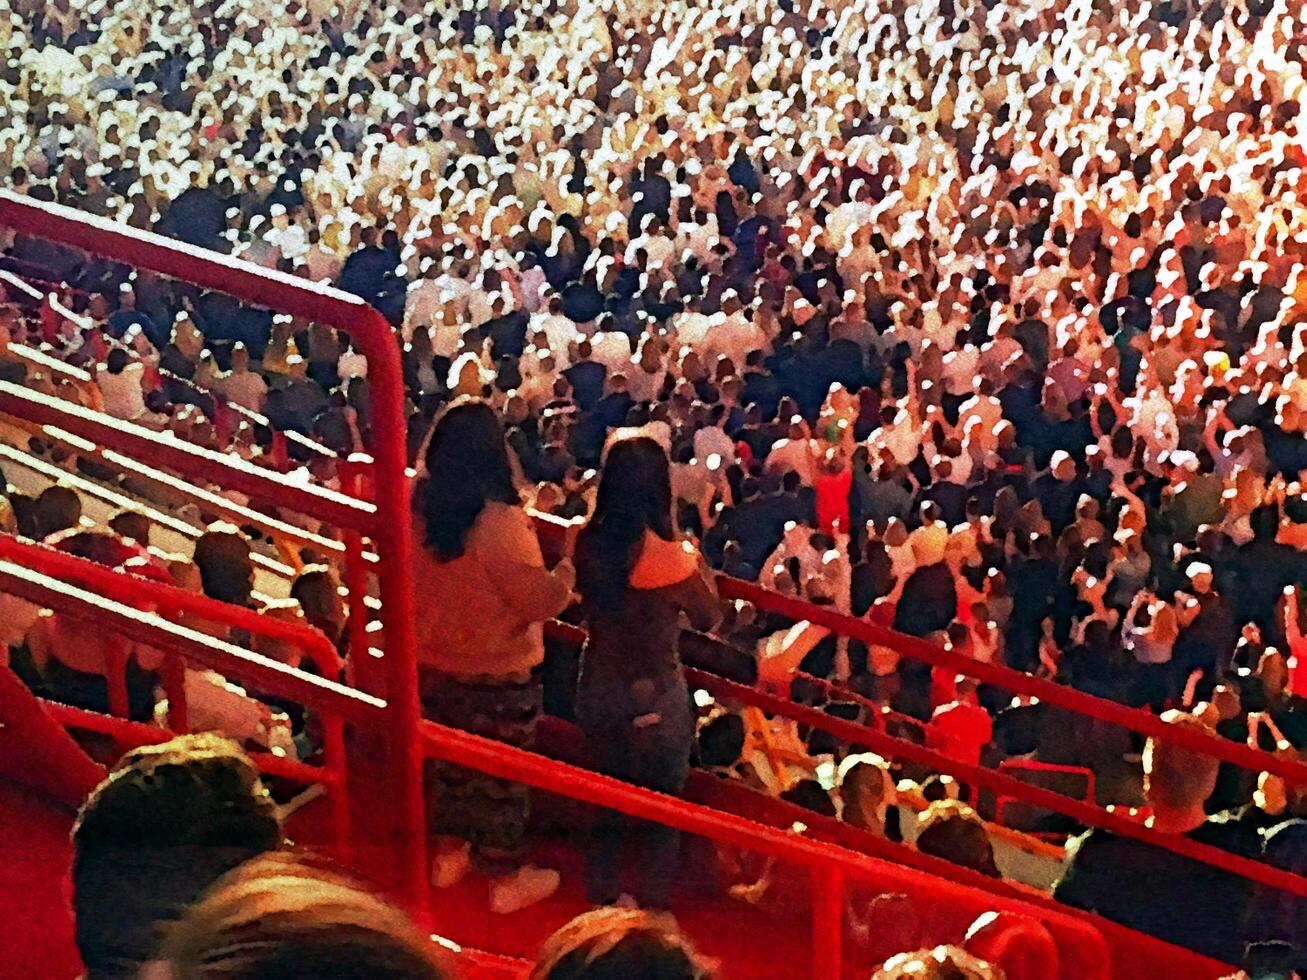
(384, 520)
(830, 866)
(1033, 767)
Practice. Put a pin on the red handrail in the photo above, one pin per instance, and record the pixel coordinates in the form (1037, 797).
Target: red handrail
(386, 522)
(220, 469)
(139, 592)
(1090, 815)
(152, 630)
(828, 863)
(1060, 695)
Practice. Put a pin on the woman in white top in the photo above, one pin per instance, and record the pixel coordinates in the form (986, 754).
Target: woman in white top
(120, 381)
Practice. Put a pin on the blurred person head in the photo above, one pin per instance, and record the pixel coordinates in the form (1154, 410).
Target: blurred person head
(166, 823)
(634, 499)
(952, 831)
(279, 916)
(940, 963)
(1177, 780)
(132, 524)
(620, 944)
(58, 508)
(226, 565)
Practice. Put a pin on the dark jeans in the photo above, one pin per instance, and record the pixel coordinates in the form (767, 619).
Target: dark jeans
(656, 757)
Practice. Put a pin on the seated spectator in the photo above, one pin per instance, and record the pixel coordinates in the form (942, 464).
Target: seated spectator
(940, 963)
(620, 944)
(952, 831)
(168, 822)
(281, 916)
(1169, 896)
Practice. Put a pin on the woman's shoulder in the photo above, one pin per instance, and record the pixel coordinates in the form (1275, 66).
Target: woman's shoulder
(663, 563)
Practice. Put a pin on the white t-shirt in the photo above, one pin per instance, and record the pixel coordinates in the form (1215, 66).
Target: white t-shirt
(124, 398)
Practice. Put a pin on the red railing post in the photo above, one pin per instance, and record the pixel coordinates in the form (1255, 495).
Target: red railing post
(827, 923)
(388, 523)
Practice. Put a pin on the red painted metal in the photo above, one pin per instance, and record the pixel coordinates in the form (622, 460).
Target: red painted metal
(1134, 719)
(373, 337)
(149, 629)
(169, 600)
(508, 762)
(226, 470)
(1030, 765)
(35, 748)
(1000, 783)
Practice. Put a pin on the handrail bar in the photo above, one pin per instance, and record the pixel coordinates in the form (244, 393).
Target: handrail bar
(1060, 695)
(519, 765)
(222, 469)
(129, 588)
(386, 519)
(226, 658)
(1089, 814)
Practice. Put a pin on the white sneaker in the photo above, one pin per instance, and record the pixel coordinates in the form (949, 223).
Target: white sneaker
(525, 887)
(452, 861)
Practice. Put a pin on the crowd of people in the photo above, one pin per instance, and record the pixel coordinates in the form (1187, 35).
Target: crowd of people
(181, 871)
(984, 320)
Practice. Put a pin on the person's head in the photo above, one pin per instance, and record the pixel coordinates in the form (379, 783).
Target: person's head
(467, 467)
(58, 508)
(634, 498)
(281, 916)
(131, 524)
(620, 944)
(1177, 780)
(167, 822)
(952, 831)
(866, 791)
(940, 963)
(226, 568)
(316, 591)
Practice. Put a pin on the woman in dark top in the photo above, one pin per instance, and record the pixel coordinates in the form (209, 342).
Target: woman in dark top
(635, 579)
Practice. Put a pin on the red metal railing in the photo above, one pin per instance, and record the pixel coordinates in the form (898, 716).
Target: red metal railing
(1085, 951)
(334, 703)
(1032, 766)
(384, 520)
(1060, 695)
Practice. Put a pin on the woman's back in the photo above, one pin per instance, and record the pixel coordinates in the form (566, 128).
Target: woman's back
(635, 637)
(490, 600)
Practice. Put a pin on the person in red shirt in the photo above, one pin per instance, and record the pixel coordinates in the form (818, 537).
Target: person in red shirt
(833, 494)
(961, 728)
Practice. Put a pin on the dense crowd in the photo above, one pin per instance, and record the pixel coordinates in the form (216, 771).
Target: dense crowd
(984, 320)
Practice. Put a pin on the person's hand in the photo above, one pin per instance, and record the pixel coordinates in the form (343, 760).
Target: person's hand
(648, 720)
(565, 573)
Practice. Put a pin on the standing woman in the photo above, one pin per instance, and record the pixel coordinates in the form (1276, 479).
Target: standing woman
(480, 641)
(636, 578)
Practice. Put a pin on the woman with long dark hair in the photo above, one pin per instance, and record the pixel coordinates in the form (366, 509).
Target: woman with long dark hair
(483, 592)
(635, 578)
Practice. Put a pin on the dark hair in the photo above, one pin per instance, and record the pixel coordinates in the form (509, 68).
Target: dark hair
(635, 496)
(619, 944)
(284, 916)
(160, 830)
(467, 467)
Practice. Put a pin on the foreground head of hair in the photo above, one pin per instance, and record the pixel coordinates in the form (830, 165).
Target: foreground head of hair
(620, 944)
(166, 824)
(279, 916)
(940, 963)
